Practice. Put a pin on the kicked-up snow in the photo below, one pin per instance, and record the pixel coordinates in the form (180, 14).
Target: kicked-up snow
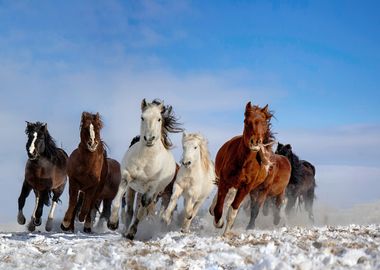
(289, 246)
(328, 247)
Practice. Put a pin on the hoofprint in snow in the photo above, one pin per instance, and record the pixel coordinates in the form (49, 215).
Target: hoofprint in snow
(328, 247)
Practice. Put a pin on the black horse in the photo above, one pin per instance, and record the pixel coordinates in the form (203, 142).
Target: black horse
(45, 173)
(302, 181)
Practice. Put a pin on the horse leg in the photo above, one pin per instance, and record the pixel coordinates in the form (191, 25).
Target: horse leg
(234, 208)
(309, 200)
(189, 217)
(167, 215)
(32, 225)
(25, 191)
(131, 194)
(89, 204)
(218, 209)
(113, 222)
(68, 221)
(254, 209)
(266, 207)
(289, 209)
(277, 208)
(212, 206)
(141, 212)
(56, 195)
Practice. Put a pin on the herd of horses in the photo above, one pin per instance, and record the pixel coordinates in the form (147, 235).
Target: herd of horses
(245, 167)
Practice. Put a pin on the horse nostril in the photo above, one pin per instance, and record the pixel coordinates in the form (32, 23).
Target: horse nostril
(145, 138)
(188, 163)
(153, 138)
(251, 141)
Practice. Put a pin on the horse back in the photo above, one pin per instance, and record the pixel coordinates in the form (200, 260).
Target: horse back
(309, 166)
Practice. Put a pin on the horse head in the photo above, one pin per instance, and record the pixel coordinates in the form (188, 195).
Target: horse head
(194, 149)
(256, 126)
(35, 146)
(157, 120)
(90, 127)
(284, 150)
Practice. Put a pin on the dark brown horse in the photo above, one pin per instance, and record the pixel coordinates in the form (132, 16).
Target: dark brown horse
(302, 181)
(273, 188)
(45, 173)
(240, 163)
(87, 169)
(108, 193)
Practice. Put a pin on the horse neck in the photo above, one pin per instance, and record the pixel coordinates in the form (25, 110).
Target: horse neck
(243, 152)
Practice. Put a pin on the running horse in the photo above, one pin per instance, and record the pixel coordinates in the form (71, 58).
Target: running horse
(273, 188)
(148, 165)
(45, 173)
(302, 181)
(87, 170)
(241, 165)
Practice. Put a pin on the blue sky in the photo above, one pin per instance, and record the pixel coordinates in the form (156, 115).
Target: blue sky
(316, 63)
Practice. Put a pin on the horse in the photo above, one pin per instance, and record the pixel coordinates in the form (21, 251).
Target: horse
(45, 173)
(273, 188)
(241, 165)
(195, 179)
(148, 166)
(87, 169)
(108, 193)
(302, 181)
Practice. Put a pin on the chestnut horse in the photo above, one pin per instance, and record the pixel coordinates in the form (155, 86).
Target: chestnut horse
(273, 188)
(87, 169)
(108, 193)
(239, 163)
(148, 166)
(302, 181)
(45, 173)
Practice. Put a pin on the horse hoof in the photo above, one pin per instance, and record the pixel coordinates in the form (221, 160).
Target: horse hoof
(81, 217)
(113, 226)
(31, 226)
(86, 230)
(49, 225)
(63, 228)
(250, 227)
(21, 219)
(211, 211)
(129, 236)
(276, 221)
(220, 224)
(37, 222)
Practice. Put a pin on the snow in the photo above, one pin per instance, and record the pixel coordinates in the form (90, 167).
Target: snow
(294, 244)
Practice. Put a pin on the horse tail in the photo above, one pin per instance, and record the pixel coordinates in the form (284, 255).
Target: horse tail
(134, 140)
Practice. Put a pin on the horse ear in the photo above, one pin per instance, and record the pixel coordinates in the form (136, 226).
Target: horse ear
(248, 106)
(288, 146)
(143, 104)
(27, 123)
(44, 127)
(266, 111)
(279, 145)
(97, 116)
(184, 134)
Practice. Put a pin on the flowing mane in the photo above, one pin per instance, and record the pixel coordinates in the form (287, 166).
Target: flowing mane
(269, 135)
(170, 123)
(205, 154)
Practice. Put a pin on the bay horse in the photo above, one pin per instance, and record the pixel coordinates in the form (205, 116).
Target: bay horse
(195, 179)
(148, 166)
(302, 181)
(240, 163)
(273, 188)
(87, 169)
(111, 185)
(45, 173)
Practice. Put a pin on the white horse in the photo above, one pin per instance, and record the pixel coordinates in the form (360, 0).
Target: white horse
(195, 178)
(148, 166)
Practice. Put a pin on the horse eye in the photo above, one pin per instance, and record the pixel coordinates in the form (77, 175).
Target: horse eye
(142, 118)
(195, 147)
(159, 119)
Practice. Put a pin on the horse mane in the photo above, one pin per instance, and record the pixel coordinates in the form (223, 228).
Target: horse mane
(170, 123)
(296, 174)
(205, 154)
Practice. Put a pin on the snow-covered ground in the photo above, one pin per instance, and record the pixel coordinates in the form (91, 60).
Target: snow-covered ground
(292, 246)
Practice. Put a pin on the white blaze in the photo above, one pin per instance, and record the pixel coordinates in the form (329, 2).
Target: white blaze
(32, 146)
(92, 133)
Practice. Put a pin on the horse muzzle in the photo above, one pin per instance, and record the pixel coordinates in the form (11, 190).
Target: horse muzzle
(92, 146)
(33, 156)
(186, 163)
(254, 148)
